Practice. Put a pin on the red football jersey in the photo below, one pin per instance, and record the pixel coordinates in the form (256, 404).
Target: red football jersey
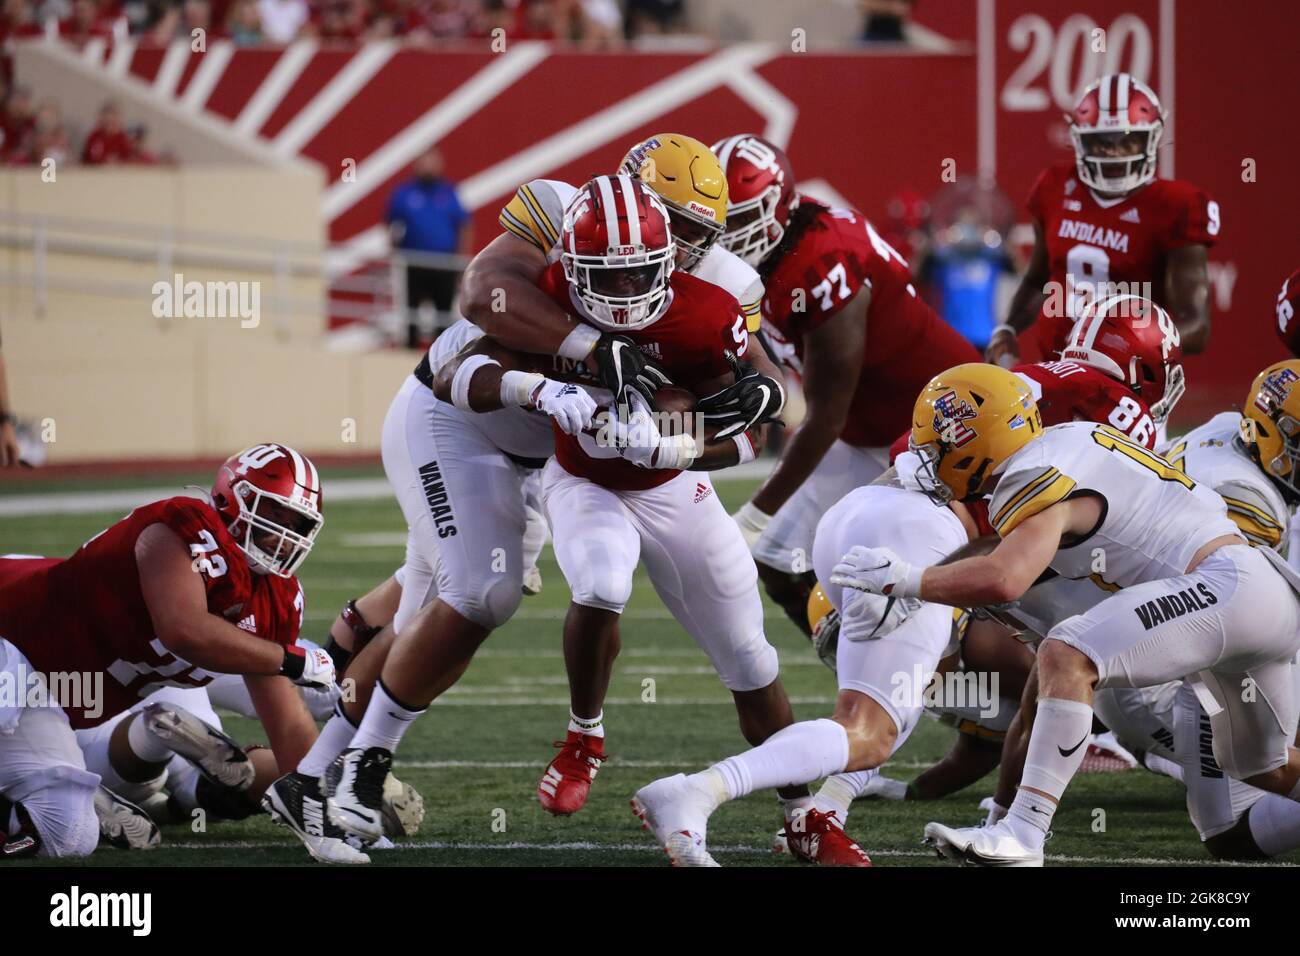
(690, 340)
(1070, 392)
(87, 613)
(1091, 242)
(907, 343)
(1288, 330)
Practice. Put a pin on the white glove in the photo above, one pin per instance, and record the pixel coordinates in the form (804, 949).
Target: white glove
(570, 406)
(308, 666)
(640, 442)
(877, 571)
(752, 523)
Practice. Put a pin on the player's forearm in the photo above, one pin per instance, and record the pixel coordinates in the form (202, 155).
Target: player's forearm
(730, 452)
(971, 582)
(1026, 302)
(509, 307)
(1187, 290)
(207, 641)
(808, 445)
(289, 727)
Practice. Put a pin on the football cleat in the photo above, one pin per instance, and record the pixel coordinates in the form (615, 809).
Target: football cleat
(816, 837)
(994, 845)
(122, 824)
(564, 786)
(677, 813)
(295, 801)
(354, 791)
(1107, 755)
(403, 808)
(532, 582)
(217, 756)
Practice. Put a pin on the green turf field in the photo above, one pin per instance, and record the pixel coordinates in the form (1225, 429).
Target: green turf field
(477, 755)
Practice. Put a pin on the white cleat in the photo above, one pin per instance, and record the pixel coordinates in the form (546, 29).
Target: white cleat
(215, 754)
(994, 845)
(403, 809)
(532, 582)
(122, 824)
(677, 813)
(295, 801)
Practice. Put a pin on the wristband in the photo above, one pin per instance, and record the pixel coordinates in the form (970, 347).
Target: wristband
(295, 662)
(460, 382)
(676, 452)
(745, 447)
(910, 586)
(1004, 327)
(577, 345)
(748, 516)
(517, 387)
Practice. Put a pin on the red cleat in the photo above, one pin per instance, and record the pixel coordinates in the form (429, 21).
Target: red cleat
(563, 788)
(820, 839)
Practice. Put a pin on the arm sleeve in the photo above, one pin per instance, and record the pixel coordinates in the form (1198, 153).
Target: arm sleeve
(1023, 493)
(536, 212)
(1253, 514)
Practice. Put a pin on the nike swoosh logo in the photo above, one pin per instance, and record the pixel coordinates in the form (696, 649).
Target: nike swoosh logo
(1066, 753)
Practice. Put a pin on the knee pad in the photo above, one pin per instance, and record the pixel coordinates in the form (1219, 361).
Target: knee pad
(755, 666)
(63, 813)
(488, 603)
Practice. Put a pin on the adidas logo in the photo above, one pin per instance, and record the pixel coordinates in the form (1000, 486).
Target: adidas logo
(1130, 215)
(550, 781)
(249, 623)
(702, 491)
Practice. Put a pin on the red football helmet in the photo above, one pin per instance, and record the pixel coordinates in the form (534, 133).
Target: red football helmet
(760, 181)
(618, 252)
(269, 496)
(1116, 130)
(1134, 340)
(1288, 303)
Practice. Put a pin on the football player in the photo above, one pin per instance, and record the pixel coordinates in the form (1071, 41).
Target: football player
(613, 500)
(689, 180)
(1106, 224)
(880, 641)
(1191, 589)
(178, 591)
(841, 311)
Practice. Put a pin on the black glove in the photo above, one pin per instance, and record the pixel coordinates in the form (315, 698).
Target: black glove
(753, 399)
(620, 364)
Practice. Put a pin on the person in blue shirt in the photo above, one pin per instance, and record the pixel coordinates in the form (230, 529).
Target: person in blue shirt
(426, 219)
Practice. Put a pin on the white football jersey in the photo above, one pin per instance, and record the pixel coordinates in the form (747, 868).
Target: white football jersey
(1154, 517)
(1213, 454)
(516, 431)
(536, 213)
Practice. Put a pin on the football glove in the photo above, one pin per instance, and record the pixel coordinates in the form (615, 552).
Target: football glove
(877, 571)
(621, 365)
(308, 666)
(754, 398)
(570, 406)
(638, 439)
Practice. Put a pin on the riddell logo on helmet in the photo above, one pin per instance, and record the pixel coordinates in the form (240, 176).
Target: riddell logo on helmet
(703, 210)
(950, 416)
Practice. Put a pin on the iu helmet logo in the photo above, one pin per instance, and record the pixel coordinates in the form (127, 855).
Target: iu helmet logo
(951, 414)
(1275, 390)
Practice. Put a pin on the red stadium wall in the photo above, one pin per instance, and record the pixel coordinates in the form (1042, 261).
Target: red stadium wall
(867, 125)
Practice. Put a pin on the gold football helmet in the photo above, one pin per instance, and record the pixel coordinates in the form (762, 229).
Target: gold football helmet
(966, 423)
(824, 621)
(689, 179)
(1270, 423)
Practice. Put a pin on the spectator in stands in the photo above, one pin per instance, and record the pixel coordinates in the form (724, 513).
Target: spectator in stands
(591, 24)
(108, 142)
(86, 21)
(18, 124)
(343, 20)
(243, 24)
(653, 16)
(51, 137)
(426, 216)
(18, 19)
(282, 19)
(884, 21)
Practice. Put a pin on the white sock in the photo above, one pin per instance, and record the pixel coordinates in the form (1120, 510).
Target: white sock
(333, 740)
(385, 722)
(838, 792)
(795, 805)
(144, 744)
(1059, 726)
(1163, 765)
(1275, 824)
(800, 753)
(591, 726)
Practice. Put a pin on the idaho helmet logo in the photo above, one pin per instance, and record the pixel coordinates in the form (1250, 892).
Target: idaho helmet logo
(1275, 389)
(950, 417)
(635, 166)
